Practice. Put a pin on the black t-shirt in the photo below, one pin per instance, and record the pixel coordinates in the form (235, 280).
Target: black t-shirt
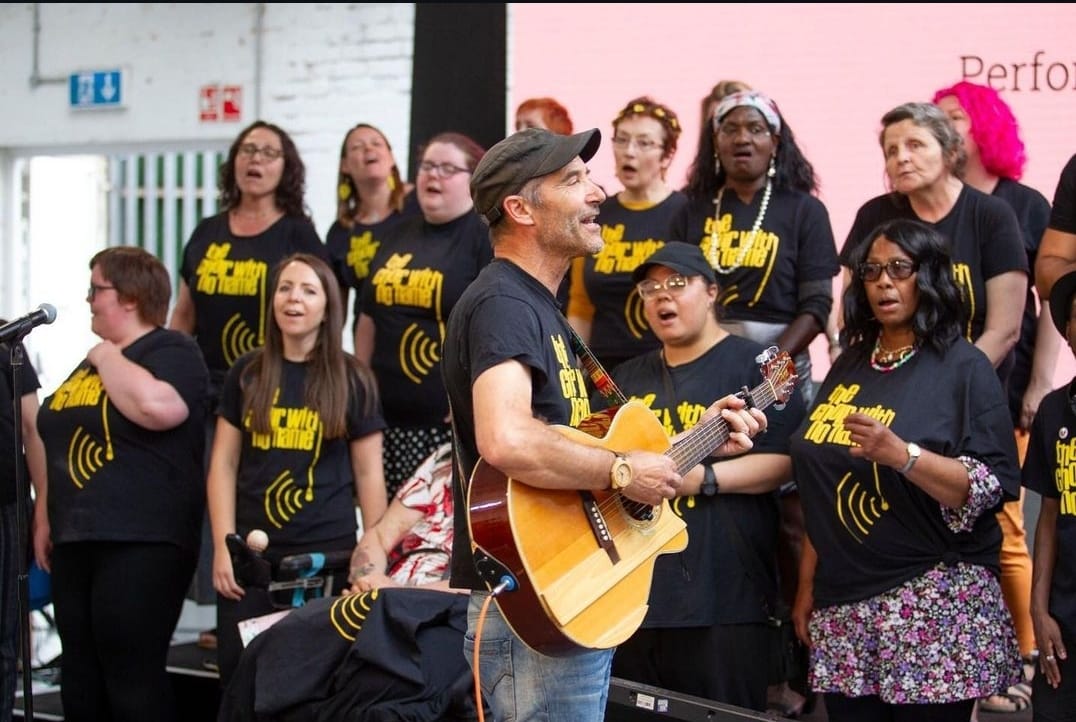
(1032, 213)
(985, 238)
(228, 278)
(28, 384)
(872, 529)
(709, 582)
(504, 315)
(415, 279)
(113, 480)
(294, 483)
(1063, 212)
(794, 246)
(619, 328)
(351, 249)
(1050, 469)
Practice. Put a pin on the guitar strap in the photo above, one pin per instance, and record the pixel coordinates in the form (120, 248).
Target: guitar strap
(603, 382)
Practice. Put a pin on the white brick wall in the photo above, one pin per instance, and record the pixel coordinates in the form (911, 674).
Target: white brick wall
(323, 68)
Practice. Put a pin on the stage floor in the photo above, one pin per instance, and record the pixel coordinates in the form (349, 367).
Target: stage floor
(193, 672)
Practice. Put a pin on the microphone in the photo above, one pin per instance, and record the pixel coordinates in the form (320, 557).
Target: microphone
(45, 313)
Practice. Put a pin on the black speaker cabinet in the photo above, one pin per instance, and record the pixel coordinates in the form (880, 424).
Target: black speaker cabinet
(634, 702)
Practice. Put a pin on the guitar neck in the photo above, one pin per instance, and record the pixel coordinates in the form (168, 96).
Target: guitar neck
(712, 433)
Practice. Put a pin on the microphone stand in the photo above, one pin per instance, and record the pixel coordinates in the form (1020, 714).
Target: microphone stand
(22, 528)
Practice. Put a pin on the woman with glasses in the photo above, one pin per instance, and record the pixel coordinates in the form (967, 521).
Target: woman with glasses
(925, 161)
(224, 294)
(707, 603)
(417, 275)
(371, 199)
(602, 307)
(124, 436)
(754, 214)
(901, 465)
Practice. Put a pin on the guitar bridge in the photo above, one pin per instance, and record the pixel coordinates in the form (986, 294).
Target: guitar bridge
(598, 526)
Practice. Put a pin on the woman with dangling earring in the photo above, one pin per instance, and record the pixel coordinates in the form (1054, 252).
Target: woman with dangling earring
(753, 212)
(757, 220)
(371, 199)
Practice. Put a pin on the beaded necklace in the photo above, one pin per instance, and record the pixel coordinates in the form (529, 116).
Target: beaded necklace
(746, 247)
(885, 361)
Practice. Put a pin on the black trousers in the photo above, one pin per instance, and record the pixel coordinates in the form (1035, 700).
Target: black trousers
(723, 662)
(856, 709)
(117, 605)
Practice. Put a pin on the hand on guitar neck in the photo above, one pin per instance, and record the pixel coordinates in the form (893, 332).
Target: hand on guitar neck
(648, 474)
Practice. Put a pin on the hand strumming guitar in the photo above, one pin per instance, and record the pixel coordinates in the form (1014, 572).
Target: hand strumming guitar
(653, 477)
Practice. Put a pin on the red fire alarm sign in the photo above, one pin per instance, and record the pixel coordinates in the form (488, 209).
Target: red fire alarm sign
(232, 102)
(209, 103)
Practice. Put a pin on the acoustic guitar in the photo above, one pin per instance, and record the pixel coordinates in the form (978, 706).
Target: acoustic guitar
(572, 569)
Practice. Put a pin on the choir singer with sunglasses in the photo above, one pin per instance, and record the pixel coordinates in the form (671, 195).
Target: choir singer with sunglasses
(902, 462)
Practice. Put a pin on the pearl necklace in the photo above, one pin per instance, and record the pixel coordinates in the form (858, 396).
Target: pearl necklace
(745, 248)
(885, 361)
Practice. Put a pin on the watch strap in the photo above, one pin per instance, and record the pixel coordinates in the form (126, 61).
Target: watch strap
(709, 480)
(913, 456)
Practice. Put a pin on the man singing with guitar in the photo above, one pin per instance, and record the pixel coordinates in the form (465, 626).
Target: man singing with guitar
(563, 524)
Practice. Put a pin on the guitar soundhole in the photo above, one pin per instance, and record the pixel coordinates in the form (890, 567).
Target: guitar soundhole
(639, 515)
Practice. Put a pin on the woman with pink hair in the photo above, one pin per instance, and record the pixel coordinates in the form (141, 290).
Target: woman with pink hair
(995, 164)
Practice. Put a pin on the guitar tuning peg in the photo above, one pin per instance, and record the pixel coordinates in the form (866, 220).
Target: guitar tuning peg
(767, 355)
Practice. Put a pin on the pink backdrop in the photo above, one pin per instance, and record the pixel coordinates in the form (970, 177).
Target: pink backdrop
(833, 69)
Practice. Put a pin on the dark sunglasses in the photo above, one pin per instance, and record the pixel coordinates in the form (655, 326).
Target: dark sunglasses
(897, 269)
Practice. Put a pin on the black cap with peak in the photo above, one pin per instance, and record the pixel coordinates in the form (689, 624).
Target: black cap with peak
(530, 153)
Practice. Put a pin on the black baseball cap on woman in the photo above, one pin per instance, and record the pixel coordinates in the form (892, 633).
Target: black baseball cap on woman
(684, 258)
(530, 153)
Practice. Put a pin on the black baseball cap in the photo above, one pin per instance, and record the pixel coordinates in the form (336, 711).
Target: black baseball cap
(530, 153)
(1061, 300)
(684, 258)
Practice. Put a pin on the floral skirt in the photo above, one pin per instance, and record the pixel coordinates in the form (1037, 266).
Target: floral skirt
(941, 637)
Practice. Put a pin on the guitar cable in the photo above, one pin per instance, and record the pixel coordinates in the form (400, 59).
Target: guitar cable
(507, 583)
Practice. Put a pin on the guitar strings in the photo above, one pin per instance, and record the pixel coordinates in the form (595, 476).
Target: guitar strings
(703, 438)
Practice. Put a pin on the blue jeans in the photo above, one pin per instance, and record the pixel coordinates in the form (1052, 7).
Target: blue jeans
(521, 685)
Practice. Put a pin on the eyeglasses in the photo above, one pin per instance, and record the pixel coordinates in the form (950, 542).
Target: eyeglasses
(91, 292)
(755, 130)
(674, 284)
(897, 269)
(445, 170)
(643, 144)
(250, 150)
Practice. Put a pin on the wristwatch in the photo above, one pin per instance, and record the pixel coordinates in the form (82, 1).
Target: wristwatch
(913, 456)
(709, 480)
(621, 472)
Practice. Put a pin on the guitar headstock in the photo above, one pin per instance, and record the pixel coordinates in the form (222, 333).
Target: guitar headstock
(779, 370)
